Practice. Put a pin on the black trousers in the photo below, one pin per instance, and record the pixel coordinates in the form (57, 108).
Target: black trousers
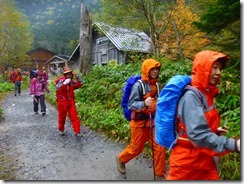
(41, 100)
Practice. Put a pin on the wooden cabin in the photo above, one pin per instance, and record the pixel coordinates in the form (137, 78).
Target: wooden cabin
(38, 58)
(113, 43)
(57, 63)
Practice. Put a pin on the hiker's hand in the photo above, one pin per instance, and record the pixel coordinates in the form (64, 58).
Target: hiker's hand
(32, 96)
(148, 101)
(238, 144)
(222, 130)
(67, 81)
(78, 77)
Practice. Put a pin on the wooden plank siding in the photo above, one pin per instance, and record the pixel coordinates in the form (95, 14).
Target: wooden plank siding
(38, 58)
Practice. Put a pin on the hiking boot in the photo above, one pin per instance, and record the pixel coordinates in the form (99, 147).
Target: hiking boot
(36, 113)
(78, 135)
(156, 177)
(61, 133)
(120, 166)
(43, 113)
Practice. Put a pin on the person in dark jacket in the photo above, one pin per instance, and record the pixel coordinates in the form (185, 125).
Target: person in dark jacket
(202, 140)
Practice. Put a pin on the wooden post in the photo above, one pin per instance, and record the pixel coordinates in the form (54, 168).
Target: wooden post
(85, 41)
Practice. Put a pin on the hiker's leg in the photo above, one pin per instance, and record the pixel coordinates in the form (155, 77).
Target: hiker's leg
(159, 155)
(19, 87)
(36, 103)
(73, 117)
(139, 137)
(15, 88)
(62, 112)
(42, 102)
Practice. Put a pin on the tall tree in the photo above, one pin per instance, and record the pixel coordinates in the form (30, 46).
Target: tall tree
(137, 14)
(182, 39)
(15, 35)
(85, 40)
(222, 23)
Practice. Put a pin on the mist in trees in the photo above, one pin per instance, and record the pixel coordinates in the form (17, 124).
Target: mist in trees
(55, 23)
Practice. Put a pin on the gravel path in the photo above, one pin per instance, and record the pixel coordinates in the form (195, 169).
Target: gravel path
(36, 151)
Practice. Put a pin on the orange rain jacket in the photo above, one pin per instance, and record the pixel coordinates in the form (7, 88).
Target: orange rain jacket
(136, 101)
(141, 132)
(193, 156)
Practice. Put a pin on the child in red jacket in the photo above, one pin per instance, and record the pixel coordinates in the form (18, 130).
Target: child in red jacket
(65, 98)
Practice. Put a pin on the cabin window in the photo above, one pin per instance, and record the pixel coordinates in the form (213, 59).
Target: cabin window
(102, 41)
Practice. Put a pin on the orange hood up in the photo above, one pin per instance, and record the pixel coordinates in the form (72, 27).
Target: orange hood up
(147, 65)
(202, 66)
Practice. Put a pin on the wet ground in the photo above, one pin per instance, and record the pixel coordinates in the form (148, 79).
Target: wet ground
(32, 149)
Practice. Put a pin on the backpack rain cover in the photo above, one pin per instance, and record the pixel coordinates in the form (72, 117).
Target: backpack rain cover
(166, 110)
(126, 90)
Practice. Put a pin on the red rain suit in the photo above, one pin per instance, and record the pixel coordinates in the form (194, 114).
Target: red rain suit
(66, 103)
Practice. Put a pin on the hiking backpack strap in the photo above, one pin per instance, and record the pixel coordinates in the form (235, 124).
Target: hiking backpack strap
(143, 87)
(203, 101)
(157, 88)
(201, 97)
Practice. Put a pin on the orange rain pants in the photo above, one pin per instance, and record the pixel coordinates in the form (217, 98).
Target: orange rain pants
(184, 173)
(139, 136)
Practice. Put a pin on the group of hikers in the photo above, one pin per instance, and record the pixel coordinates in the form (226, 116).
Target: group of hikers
(65, 86)
(202, 141)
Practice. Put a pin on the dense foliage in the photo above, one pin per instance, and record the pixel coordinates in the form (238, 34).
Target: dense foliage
(15, 35)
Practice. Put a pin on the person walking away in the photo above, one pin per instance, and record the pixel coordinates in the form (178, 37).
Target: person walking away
(65, 97)
(12, 76)
(142, 121)
(45, 75)
(38, 87)
(201, 140)
(17, 80)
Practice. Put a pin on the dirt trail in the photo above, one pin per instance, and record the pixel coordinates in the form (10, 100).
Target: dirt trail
(38, 152)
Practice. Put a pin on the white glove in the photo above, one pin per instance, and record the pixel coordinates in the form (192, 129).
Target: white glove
(67, 81)
(32, 96)
(238, 145)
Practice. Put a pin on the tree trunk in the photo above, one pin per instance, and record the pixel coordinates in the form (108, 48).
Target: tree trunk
(178, 41)
(85, 41)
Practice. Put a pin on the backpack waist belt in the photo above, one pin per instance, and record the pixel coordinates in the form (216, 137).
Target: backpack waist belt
(140, 116)
(184, 143)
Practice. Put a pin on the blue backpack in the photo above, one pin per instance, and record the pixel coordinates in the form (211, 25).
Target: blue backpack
(12, 76)
(167, 103)
(126, 90)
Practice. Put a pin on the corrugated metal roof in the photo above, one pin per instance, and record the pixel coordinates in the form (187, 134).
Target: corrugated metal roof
(125, 39)
(59, 57)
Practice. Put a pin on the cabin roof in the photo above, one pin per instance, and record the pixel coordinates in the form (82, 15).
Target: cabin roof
(125, 39)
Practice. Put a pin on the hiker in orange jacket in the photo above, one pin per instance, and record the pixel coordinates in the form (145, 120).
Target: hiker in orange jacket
(17, 79)
(202, 140)
(142, 120)
(65, 98)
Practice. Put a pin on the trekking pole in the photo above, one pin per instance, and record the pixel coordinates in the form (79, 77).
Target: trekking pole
(150, 117)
